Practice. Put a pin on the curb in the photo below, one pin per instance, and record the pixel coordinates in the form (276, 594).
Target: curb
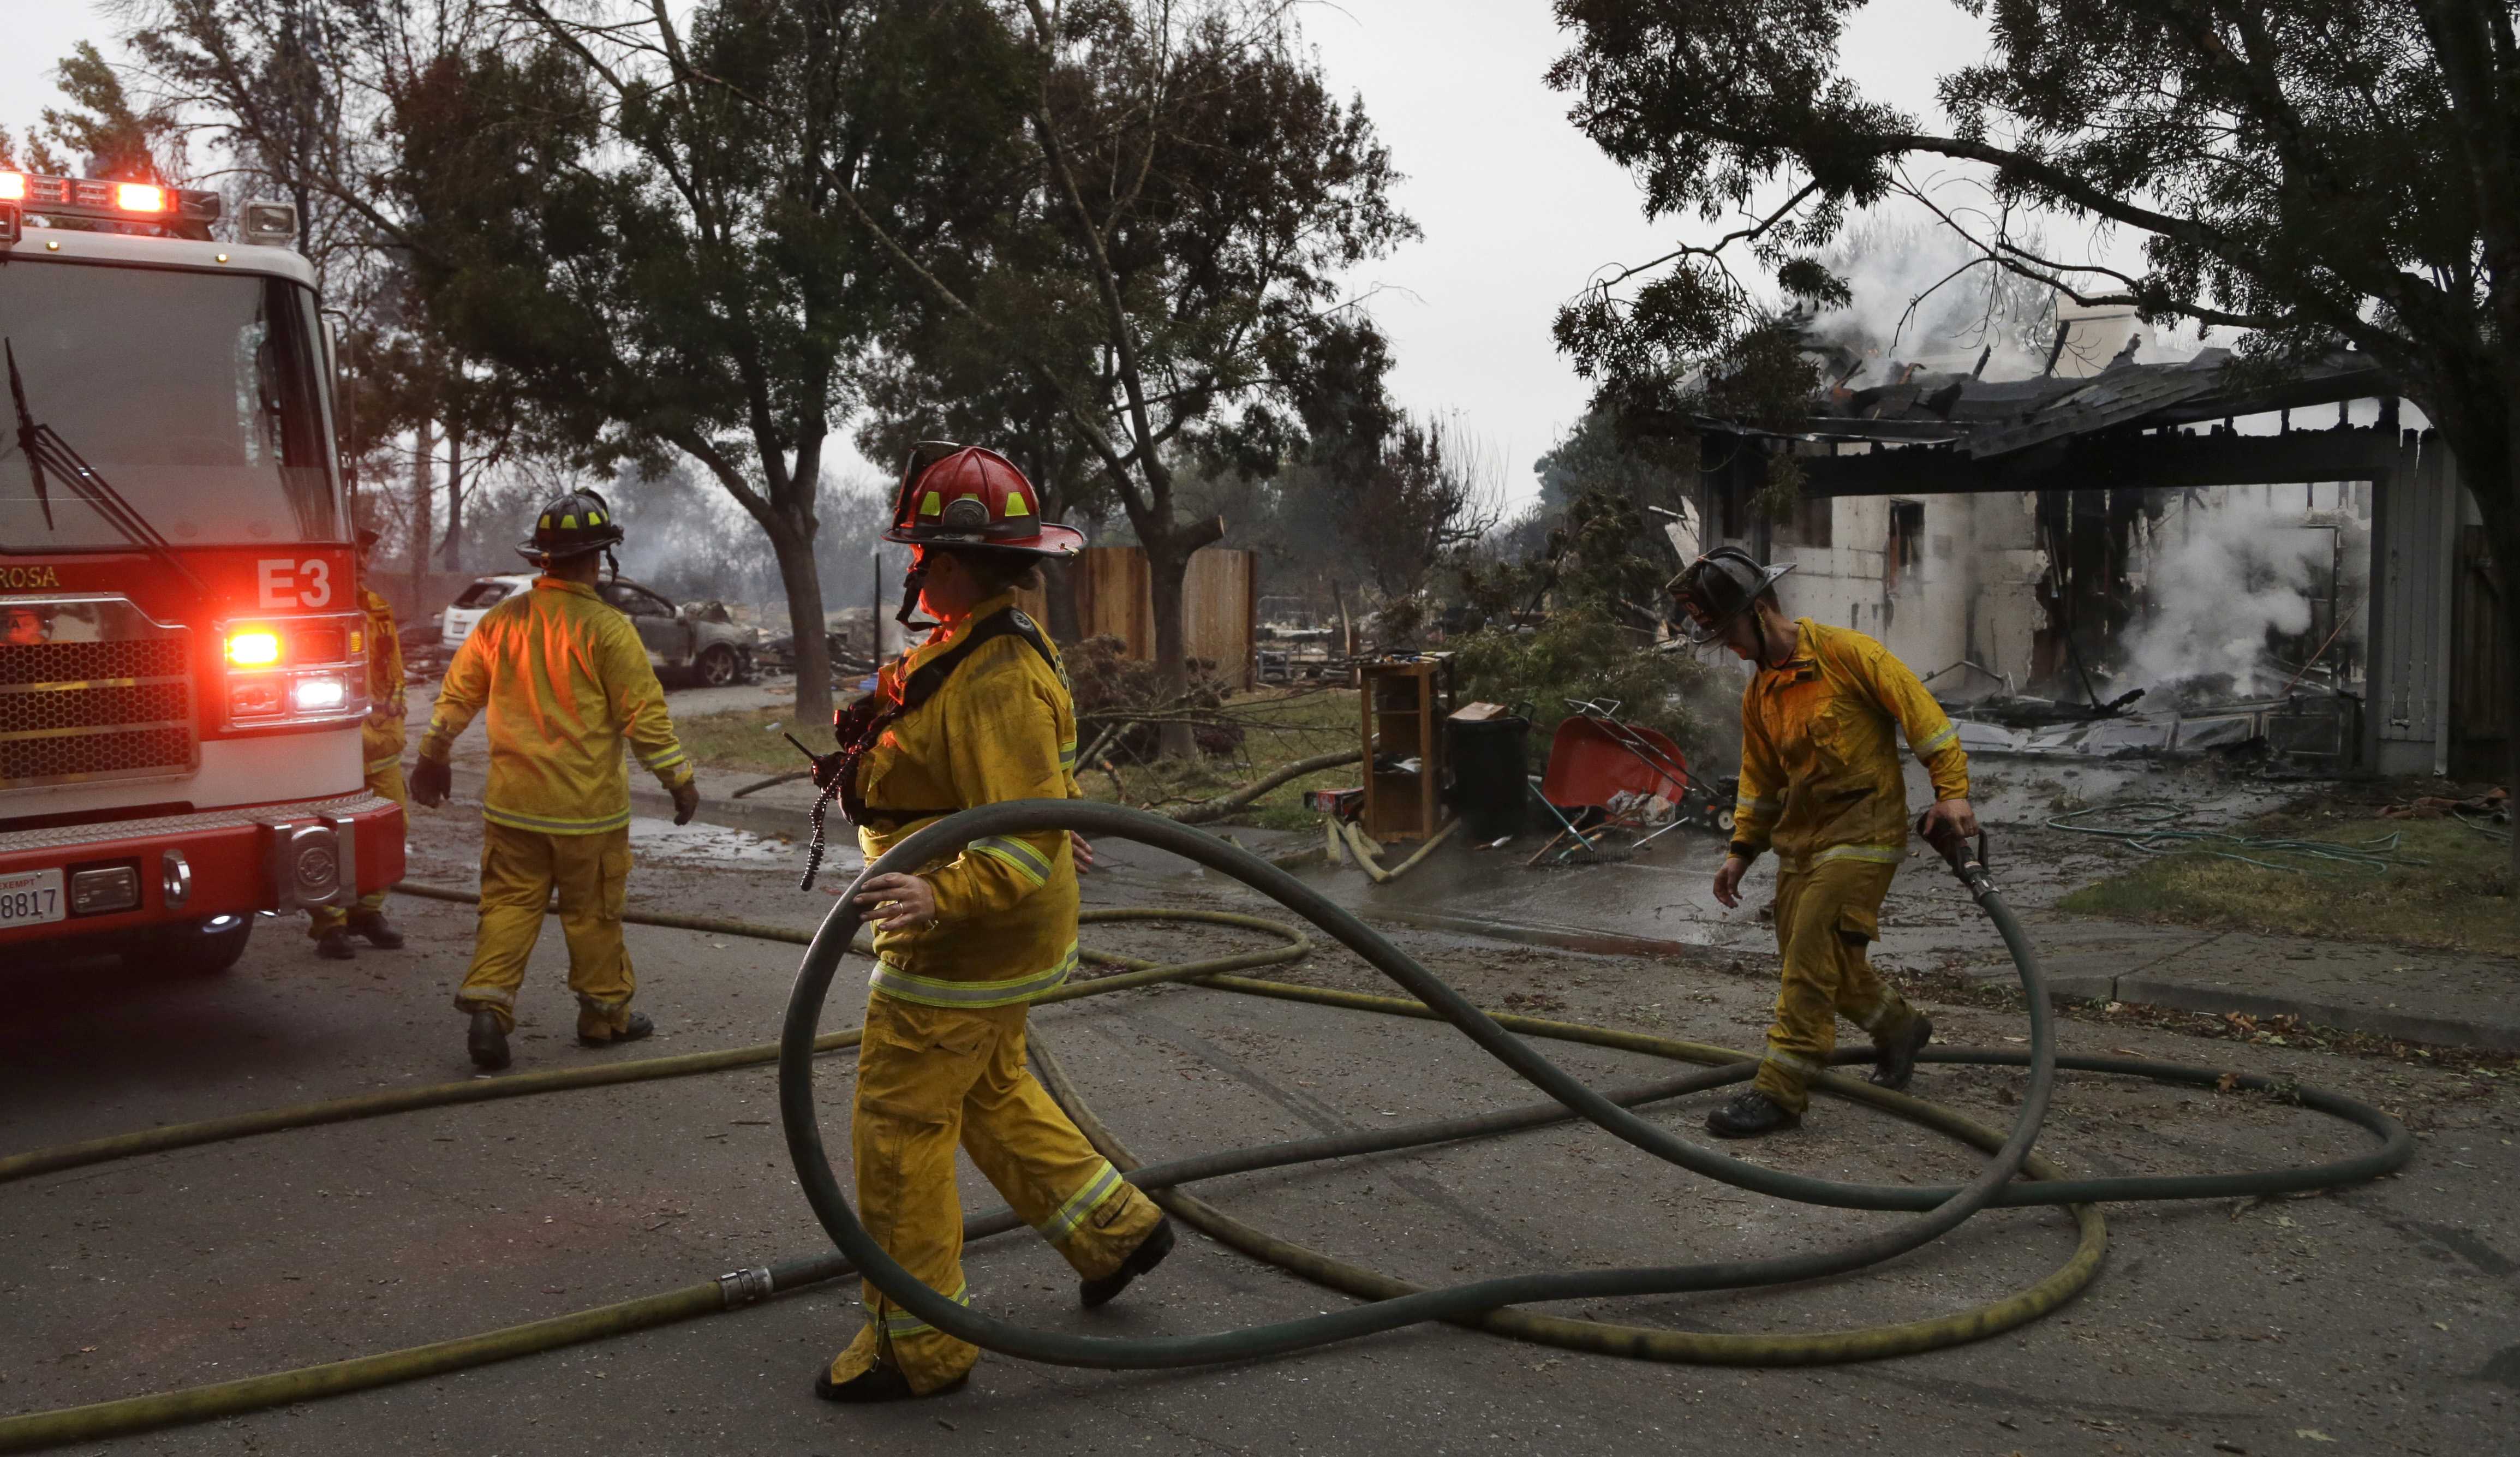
(2488, 1033)
(2492, 1034)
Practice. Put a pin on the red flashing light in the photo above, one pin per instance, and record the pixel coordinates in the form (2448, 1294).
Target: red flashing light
(93, 197)
(254, 647)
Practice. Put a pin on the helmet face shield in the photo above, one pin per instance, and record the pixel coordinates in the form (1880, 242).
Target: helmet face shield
(914, 465)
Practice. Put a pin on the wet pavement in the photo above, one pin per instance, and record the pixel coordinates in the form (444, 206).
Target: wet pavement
(2379, 1318)
(1660, 902)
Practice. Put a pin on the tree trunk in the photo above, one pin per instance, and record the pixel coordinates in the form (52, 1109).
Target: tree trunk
(875, 612)
(450, 548)
(2501, 513)
(423, 466)
(2488, 456)
(1167, 564)
(1058, 600)
(2506, 553)
(802, 580)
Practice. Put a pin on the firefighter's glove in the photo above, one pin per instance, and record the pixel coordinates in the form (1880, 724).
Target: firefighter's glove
(687, 801)
(1949, 819)
(828, 768)
(431, 781)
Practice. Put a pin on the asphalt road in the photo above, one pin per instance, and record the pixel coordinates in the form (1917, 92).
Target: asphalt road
(2379, 1319)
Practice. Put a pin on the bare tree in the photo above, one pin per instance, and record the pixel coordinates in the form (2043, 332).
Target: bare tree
(1189, 195)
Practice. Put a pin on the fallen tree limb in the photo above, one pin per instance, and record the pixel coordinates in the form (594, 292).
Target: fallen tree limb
(1226, 804)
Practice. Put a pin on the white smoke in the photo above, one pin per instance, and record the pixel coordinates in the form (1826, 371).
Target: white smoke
(2221, 575)
(1907, 306)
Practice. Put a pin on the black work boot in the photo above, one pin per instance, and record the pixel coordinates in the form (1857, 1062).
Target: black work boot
(488, 1042)
(335, 945)
(878, 1383)
(377, 929)
(1750, 1115)
(1150, 1252)
(1897, 1063)
(639, 1026)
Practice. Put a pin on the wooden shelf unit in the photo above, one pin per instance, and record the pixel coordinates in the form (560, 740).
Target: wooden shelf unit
(1403, 706)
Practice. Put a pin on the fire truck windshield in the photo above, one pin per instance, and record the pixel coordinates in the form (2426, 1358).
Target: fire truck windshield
(197, 396)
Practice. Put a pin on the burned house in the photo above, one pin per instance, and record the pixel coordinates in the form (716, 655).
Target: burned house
(2294, 561)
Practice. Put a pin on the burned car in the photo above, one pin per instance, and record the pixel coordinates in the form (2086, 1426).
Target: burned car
(698, 643)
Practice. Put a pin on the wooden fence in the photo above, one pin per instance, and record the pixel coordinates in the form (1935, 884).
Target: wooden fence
(2481, 689)
(1220, 598)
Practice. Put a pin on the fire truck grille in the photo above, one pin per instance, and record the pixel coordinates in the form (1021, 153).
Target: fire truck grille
(107, 706)
(85, 756)
(98, 709)
(88, 663)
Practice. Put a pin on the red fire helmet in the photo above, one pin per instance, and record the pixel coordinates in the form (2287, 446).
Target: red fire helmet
(966, 495)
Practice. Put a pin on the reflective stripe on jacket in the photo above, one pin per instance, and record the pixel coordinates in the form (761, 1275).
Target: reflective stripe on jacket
(567, 682)
(1001, 728)
(1820, 767)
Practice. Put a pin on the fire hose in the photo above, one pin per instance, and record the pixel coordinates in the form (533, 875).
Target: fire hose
(1483, 1303)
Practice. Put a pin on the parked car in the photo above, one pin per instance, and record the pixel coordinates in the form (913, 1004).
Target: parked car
(485, 593)
(697, 642)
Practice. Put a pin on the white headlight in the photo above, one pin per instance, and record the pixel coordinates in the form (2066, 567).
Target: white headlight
(315, 695)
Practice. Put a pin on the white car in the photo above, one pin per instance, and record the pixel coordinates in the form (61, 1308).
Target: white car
(485, 593)
(697, 642)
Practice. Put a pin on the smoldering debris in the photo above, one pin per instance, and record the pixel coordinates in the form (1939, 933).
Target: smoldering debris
(2297, 736)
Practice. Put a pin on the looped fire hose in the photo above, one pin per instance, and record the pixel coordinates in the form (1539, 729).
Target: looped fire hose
(1479, 1304)
(1939, 1210)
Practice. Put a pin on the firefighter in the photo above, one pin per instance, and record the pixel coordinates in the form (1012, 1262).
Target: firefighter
(567, 681)
(976, 715)
(1821, 786)
(380, 741)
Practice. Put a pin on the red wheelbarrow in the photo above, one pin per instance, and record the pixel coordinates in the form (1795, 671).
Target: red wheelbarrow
(1599, 764)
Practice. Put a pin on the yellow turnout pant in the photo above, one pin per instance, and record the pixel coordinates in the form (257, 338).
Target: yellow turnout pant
(929, 1079)
(385, 781)
(1827, 915)
(519, 870)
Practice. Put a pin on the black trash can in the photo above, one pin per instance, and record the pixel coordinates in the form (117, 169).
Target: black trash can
(1486, 756)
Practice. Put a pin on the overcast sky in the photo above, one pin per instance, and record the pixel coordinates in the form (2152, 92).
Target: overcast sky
(1518, 210)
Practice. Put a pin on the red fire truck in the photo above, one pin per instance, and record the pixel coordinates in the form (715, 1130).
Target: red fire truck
(182, 654)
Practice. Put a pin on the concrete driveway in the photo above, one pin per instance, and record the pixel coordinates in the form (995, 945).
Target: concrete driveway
(2381, 1318)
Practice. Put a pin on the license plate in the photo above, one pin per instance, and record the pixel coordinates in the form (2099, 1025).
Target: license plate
(30, 897)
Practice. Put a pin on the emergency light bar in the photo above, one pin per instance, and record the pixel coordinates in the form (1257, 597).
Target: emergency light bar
(184, 208)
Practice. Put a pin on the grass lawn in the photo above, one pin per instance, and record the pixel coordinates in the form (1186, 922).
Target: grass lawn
(2452, 892)
(1285, 724)
(747, 739)
(1282, 725)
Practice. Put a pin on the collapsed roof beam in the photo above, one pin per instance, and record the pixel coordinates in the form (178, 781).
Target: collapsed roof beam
(2111, 460)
